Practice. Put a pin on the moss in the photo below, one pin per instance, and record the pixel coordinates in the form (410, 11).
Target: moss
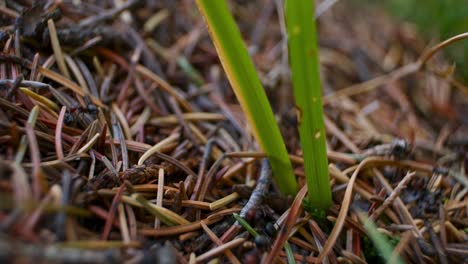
(320, 216)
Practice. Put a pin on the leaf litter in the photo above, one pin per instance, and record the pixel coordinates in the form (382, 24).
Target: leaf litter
(122, 141)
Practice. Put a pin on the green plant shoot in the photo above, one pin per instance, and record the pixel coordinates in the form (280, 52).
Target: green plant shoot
(244, 80)
(304, 60)
(380, 241)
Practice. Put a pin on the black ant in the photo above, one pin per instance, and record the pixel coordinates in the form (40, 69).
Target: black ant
(398, 148)
(77, 113)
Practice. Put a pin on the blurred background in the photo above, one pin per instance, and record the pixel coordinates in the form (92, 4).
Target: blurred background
(436, 20)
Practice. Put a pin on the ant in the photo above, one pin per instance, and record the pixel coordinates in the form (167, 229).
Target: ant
(398, 148)
(76, 113)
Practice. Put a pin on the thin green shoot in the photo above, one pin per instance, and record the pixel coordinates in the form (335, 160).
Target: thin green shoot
(245, 225)
(380, 241)
(289, 253)
(304, 61)
(244, 80)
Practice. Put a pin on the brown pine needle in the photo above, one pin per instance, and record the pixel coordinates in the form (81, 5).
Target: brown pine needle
(391, 198)
(57, 49)
(220, 249)
(160, 195)
(219, 243)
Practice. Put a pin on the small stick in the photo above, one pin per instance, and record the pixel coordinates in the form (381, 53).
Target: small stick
(391, 198)
(261, 189)
(219, 243)
(218, 250)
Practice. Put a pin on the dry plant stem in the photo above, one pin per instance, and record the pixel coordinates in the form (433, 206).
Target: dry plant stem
(55, 253)
(319, 240)
(131, 72)
(342, 178)
(202, 169)
(98, 244)
(398, 203)
(160, 195)
(65, 231)
(443, 228)
(164, 86)
(123, 122)
(49, 104)
(334, 130)
(131, 222)
(57, 49)
(111, 216)
(441, 252)
(213, 206)
(123, 224)
(391, 198)
(209, 176)
(36, 159)
(88, 144)
(351, 257)
(35, 216)
(220, 249)
(77, 73)
(307, 245)
(260, 190)
(219, 243)
(178, 113)
(107, 14)
(284, 232)
(167, 216)
(69, 84)
(144, 94)
(118, 133)
(195, 116)
(175, 230)
(401, 246)
(58, 134)
(24, 143)
(157, 148)
(432, 51)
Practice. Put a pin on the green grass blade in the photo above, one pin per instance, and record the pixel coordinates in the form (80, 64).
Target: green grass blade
(303, 56)
(289, 253)
(245, 225)
(380, 241)
(244, 80)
